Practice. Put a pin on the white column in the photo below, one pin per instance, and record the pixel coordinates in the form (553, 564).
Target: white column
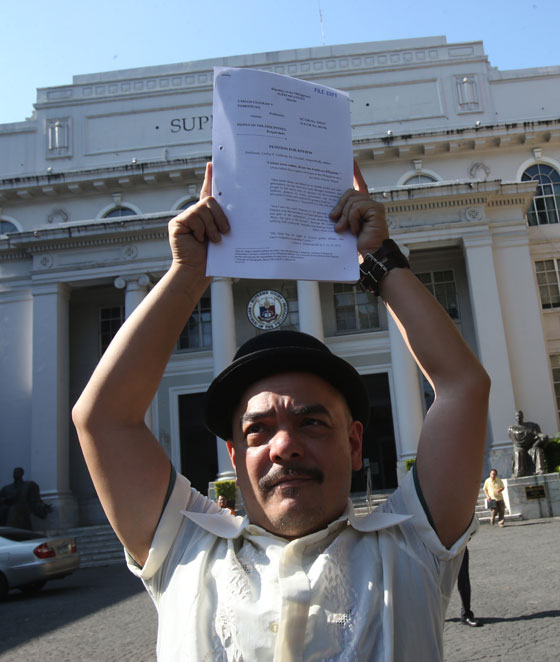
(490, 333)
(50, 414)
(224, 346)
(309, 308)
(409, 413)
(533, 389)
(135, 289)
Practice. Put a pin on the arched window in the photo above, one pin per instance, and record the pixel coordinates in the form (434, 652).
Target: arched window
(419, 178)
(7, 226)
(546, 203)
(116, 212)
(188, 203)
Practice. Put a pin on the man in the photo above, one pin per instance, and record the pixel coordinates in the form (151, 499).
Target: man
(493, 488)
(301, 578)
(19, 500)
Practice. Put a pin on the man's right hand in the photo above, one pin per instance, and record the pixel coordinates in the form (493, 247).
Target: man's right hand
(190, 231)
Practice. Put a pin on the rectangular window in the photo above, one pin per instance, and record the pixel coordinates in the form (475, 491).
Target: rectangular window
(442, 285)
(555, 364)
(110, 321)
(355, 309)
(289, 292)
(548, 281)
(197, 333)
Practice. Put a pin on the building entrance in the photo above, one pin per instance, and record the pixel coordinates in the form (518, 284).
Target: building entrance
(199, 461)
(379, 438)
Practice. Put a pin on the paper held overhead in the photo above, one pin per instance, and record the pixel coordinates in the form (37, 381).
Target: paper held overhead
(282, 157)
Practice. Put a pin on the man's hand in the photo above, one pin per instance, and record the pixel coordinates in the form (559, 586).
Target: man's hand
(363, 216)
(190, 231)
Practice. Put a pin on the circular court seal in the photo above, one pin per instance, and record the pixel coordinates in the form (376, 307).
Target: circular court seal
(267, 309)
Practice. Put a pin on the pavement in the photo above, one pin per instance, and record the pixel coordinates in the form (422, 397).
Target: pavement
(103, 614)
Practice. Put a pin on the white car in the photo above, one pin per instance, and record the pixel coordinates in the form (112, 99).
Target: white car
(29, 559)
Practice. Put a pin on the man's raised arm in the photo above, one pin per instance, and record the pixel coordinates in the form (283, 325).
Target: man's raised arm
(451, 445)
(129, 469)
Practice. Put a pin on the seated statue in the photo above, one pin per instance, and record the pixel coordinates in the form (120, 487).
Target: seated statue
(528, 447)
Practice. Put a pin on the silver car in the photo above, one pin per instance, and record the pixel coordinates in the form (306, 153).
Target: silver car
(29, 559)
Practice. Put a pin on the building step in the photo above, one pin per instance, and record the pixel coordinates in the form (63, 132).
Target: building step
(97, 545)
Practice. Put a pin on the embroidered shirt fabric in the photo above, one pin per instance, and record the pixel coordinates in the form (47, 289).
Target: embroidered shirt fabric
(364, 589)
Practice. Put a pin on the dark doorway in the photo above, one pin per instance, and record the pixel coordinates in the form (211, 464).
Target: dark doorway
(199, 461)
(379, 438)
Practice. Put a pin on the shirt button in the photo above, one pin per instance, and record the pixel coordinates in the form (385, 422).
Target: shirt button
(274, 628)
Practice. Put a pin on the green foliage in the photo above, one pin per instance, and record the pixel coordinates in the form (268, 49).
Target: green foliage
(552, 453)
(410, 463)
(226, 488)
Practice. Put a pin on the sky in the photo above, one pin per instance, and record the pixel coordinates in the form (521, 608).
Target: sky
(44, 44)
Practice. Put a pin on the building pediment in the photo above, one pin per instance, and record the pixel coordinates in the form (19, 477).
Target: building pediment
(458, 204)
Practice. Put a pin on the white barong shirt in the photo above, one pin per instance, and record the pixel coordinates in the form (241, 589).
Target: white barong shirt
(371, 588)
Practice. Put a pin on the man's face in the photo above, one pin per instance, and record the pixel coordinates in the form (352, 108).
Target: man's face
(518, 417)
(222, 501)
(294, 447)
(493, 475)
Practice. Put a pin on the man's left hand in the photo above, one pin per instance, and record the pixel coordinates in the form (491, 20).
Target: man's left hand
(363, 216)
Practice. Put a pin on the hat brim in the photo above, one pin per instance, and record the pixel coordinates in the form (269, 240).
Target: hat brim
(228, 387)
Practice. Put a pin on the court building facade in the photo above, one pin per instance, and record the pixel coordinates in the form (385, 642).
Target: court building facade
(465, 157)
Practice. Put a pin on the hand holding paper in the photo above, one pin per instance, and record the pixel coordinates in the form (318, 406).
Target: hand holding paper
(364, 217)
(282, 155)
(193, 228)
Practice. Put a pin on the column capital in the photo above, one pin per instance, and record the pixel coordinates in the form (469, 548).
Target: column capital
(477, 240)
(132, 281)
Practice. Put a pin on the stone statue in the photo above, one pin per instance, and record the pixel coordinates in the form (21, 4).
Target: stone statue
(19, 499)
(528, 447)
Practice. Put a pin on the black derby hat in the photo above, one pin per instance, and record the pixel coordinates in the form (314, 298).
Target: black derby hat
(272, 353)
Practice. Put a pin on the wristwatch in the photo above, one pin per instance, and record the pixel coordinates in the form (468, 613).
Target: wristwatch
(378, 264)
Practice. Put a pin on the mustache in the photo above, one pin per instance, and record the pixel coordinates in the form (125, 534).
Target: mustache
(266, 483)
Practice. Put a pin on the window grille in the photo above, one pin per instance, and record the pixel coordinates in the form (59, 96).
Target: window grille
(548, 280)
(197, 333)
(355, 310)
(442, 285)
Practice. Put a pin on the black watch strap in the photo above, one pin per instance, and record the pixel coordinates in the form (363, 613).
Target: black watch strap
(378, 264)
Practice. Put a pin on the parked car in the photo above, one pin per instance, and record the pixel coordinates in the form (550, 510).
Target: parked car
(29, 559)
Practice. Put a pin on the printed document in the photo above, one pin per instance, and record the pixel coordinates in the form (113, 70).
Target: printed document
(282, 157)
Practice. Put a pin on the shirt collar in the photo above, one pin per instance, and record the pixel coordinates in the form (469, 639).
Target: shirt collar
(225, 525)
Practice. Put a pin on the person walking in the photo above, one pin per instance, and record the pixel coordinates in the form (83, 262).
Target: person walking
(493, 488)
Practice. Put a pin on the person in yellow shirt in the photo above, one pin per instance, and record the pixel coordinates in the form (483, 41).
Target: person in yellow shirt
(493, 488)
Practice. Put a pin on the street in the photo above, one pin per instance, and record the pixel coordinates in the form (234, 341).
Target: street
(104, 614)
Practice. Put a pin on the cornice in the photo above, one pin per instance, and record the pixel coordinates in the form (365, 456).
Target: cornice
(311, 63)
(191, 170)
(475, 138)
(455, 208)
(456, 194)
(83, 181)
(89, 234)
